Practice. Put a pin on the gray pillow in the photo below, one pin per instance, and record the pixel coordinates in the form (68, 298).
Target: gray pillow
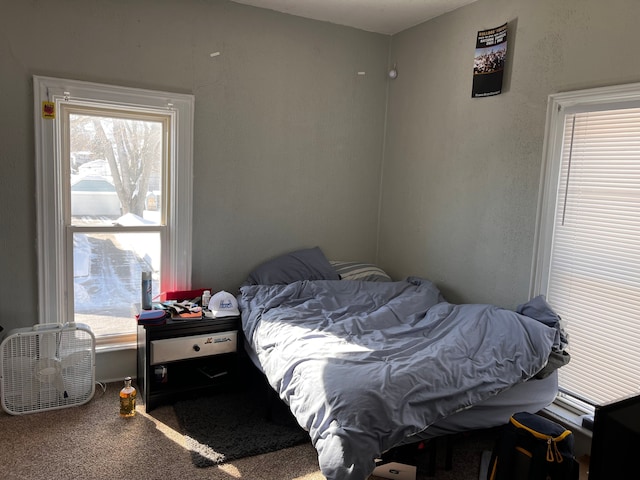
(307, 264)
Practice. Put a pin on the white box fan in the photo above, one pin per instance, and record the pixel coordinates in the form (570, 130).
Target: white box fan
(46, 367)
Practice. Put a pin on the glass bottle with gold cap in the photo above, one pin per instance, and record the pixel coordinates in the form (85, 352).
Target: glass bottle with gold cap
(128, 399)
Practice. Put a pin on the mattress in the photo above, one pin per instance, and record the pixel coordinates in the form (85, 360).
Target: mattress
(530, 396)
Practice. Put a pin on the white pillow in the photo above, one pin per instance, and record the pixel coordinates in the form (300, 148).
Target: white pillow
(366, 272)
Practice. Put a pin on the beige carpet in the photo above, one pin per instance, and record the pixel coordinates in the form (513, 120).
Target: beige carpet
(91, 441)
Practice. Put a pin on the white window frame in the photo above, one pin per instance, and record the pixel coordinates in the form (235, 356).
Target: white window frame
(559, 105)
(53, 290)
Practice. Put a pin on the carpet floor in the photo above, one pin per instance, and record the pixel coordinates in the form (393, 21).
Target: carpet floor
(223, 427)
(227, 426)
(92, 442)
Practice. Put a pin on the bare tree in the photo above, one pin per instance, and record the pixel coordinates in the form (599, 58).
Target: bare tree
(132, 149)
(131, 154)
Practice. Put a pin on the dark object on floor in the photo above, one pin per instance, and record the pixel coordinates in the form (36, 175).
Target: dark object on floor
(227, 426)
(422, 454)
(457, 456)
(532, 447)
(616, 436)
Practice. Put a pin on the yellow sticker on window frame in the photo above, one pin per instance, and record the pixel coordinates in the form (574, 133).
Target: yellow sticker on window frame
(48, 110)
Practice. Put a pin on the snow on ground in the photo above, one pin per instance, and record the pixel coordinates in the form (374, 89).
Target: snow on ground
(107, 275)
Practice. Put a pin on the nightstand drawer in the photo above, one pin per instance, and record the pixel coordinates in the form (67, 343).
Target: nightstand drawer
(182, 348)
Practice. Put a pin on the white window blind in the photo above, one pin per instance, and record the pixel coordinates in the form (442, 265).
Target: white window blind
(594, 269)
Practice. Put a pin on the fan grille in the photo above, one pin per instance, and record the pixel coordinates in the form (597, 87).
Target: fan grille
(47, 367)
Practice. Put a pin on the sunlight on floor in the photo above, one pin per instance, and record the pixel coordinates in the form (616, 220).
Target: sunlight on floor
(169, 432)
(179, 439)
(301, 466)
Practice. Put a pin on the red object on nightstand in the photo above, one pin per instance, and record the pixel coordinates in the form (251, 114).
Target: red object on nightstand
(180, 295)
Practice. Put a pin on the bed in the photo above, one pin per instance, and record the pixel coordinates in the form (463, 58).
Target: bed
(366, 364)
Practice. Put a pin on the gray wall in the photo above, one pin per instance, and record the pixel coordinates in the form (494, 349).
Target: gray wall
(289, 140)
(461, 175)
(288, 137)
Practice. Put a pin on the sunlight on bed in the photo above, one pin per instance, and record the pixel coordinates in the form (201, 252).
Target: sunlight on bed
(324, 343)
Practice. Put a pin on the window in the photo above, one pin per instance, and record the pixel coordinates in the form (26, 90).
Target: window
(587, 259)
(114, 169)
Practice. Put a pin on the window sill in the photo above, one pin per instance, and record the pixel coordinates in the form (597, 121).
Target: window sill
(114, 347)
(571, 421)
(566, 417)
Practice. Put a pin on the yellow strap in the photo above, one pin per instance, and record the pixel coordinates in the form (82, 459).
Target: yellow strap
(538, 434)
(493, 470)
(549, 450)
(524, 452)
(559, 457)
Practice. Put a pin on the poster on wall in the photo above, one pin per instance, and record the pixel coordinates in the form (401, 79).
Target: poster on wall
(488, 62)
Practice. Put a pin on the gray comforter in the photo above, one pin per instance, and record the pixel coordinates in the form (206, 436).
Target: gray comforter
(363, 365)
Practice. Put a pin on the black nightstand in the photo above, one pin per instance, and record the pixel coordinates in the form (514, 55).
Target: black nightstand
(185, 357)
